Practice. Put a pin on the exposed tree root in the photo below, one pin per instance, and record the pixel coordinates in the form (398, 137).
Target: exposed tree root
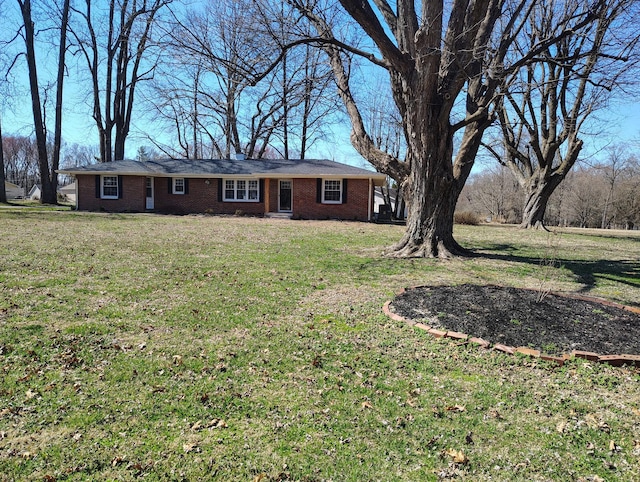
(407, 248)
(538, 225)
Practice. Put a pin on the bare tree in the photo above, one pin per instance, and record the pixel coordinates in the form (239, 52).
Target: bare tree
(21, 161)
(3, 191)
(545, 104)
(627, 199)
(219, 96)
(220, 51)
(80, 155)
(306, 78)
(494, 192)
(48, 176)
(39, 125)
(178, 106)
(57, 135)
(612, 170)
(431, 53)
(116, 45)
(586, 198)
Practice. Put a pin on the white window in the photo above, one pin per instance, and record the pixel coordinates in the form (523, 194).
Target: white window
(244, 190)
(252, 190)
(178, 185)
(332, 191)
(109, 187)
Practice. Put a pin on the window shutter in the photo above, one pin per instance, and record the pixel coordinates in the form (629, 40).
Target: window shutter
(220, 190)
(186, 186)
(319, 190)
(344, 191)
(97, 186)
(261, 188)
(170, 185)
(119, 187)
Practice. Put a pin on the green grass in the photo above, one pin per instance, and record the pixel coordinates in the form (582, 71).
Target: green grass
(210, 348)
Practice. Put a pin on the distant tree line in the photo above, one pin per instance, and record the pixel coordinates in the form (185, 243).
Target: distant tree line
(20, 159)
(601, 194)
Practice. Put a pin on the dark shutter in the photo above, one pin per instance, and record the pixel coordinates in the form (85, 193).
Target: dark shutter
(220, 190)
(170, 185)
(97, 186)
(186, 186)
(119, 187)
(319, 190)
(344, 191)
(261, 188)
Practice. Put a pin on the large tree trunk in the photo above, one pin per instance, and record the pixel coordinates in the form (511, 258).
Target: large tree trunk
(537, 194)
(431, 193)
(533, 211)
(429, 223)
(105, 144)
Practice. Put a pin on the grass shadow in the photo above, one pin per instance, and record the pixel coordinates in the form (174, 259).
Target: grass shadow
(586, 272)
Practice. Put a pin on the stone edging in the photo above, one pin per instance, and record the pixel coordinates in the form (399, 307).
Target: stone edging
(615, 360)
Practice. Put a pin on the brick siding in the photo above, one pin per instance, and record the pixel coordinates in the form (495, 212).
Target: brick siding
(132, 199)
(203, 197)
(306, 205)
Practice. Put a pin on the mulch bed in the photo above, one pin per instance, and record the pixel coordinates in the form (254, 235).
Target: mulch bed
(555, 324)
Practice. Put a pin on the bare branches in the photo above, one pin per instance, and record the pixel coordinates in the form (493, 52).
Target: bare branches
(116, 65)
(552, 88)
(359, 136)
(362, 13)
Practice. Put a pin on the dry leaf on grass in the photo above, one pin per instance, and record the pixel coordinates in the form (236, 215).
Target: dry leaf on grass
(217, 423)
(367, 405)
(457, 456)
(456, 408)
(189, 447)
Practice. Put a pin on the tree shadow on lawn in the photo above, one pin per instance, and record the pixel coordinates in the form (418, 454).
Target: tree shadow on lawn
(587, 273)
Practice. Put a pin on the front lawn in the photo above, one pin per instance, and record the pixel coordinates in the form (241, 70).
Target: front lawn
(224, 348)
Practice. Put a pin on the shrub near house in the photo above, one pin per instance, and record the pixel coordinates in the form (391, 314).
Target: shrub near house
(304, 189)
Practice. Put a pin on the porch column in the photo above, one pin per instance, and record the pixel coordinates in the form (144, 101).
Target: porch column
(266, 195)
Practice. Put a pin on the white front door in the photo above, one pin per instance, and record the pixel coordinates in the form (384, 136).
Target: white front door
(149, 203)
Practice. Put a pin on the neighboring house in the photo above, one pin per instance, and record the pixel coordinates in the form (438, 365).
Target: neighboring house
(68, 192)
(34, 193)
(302, 189)
(380, 201)
(13, 191)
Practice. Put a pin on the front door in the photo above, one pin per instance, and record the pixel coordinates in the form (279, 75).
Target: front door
(149, 198)
(285, 195)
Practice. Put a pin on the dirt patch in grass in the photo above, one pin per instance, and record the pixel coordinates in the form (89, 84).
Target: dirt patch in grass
(518, 317)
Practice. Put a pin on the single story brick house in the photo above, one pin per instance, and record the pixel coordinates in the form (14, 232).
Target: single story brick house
(301, 189)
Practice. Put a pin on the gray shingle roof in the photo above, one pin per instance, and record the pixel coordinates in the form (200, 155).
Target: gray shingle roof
(226, 167)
